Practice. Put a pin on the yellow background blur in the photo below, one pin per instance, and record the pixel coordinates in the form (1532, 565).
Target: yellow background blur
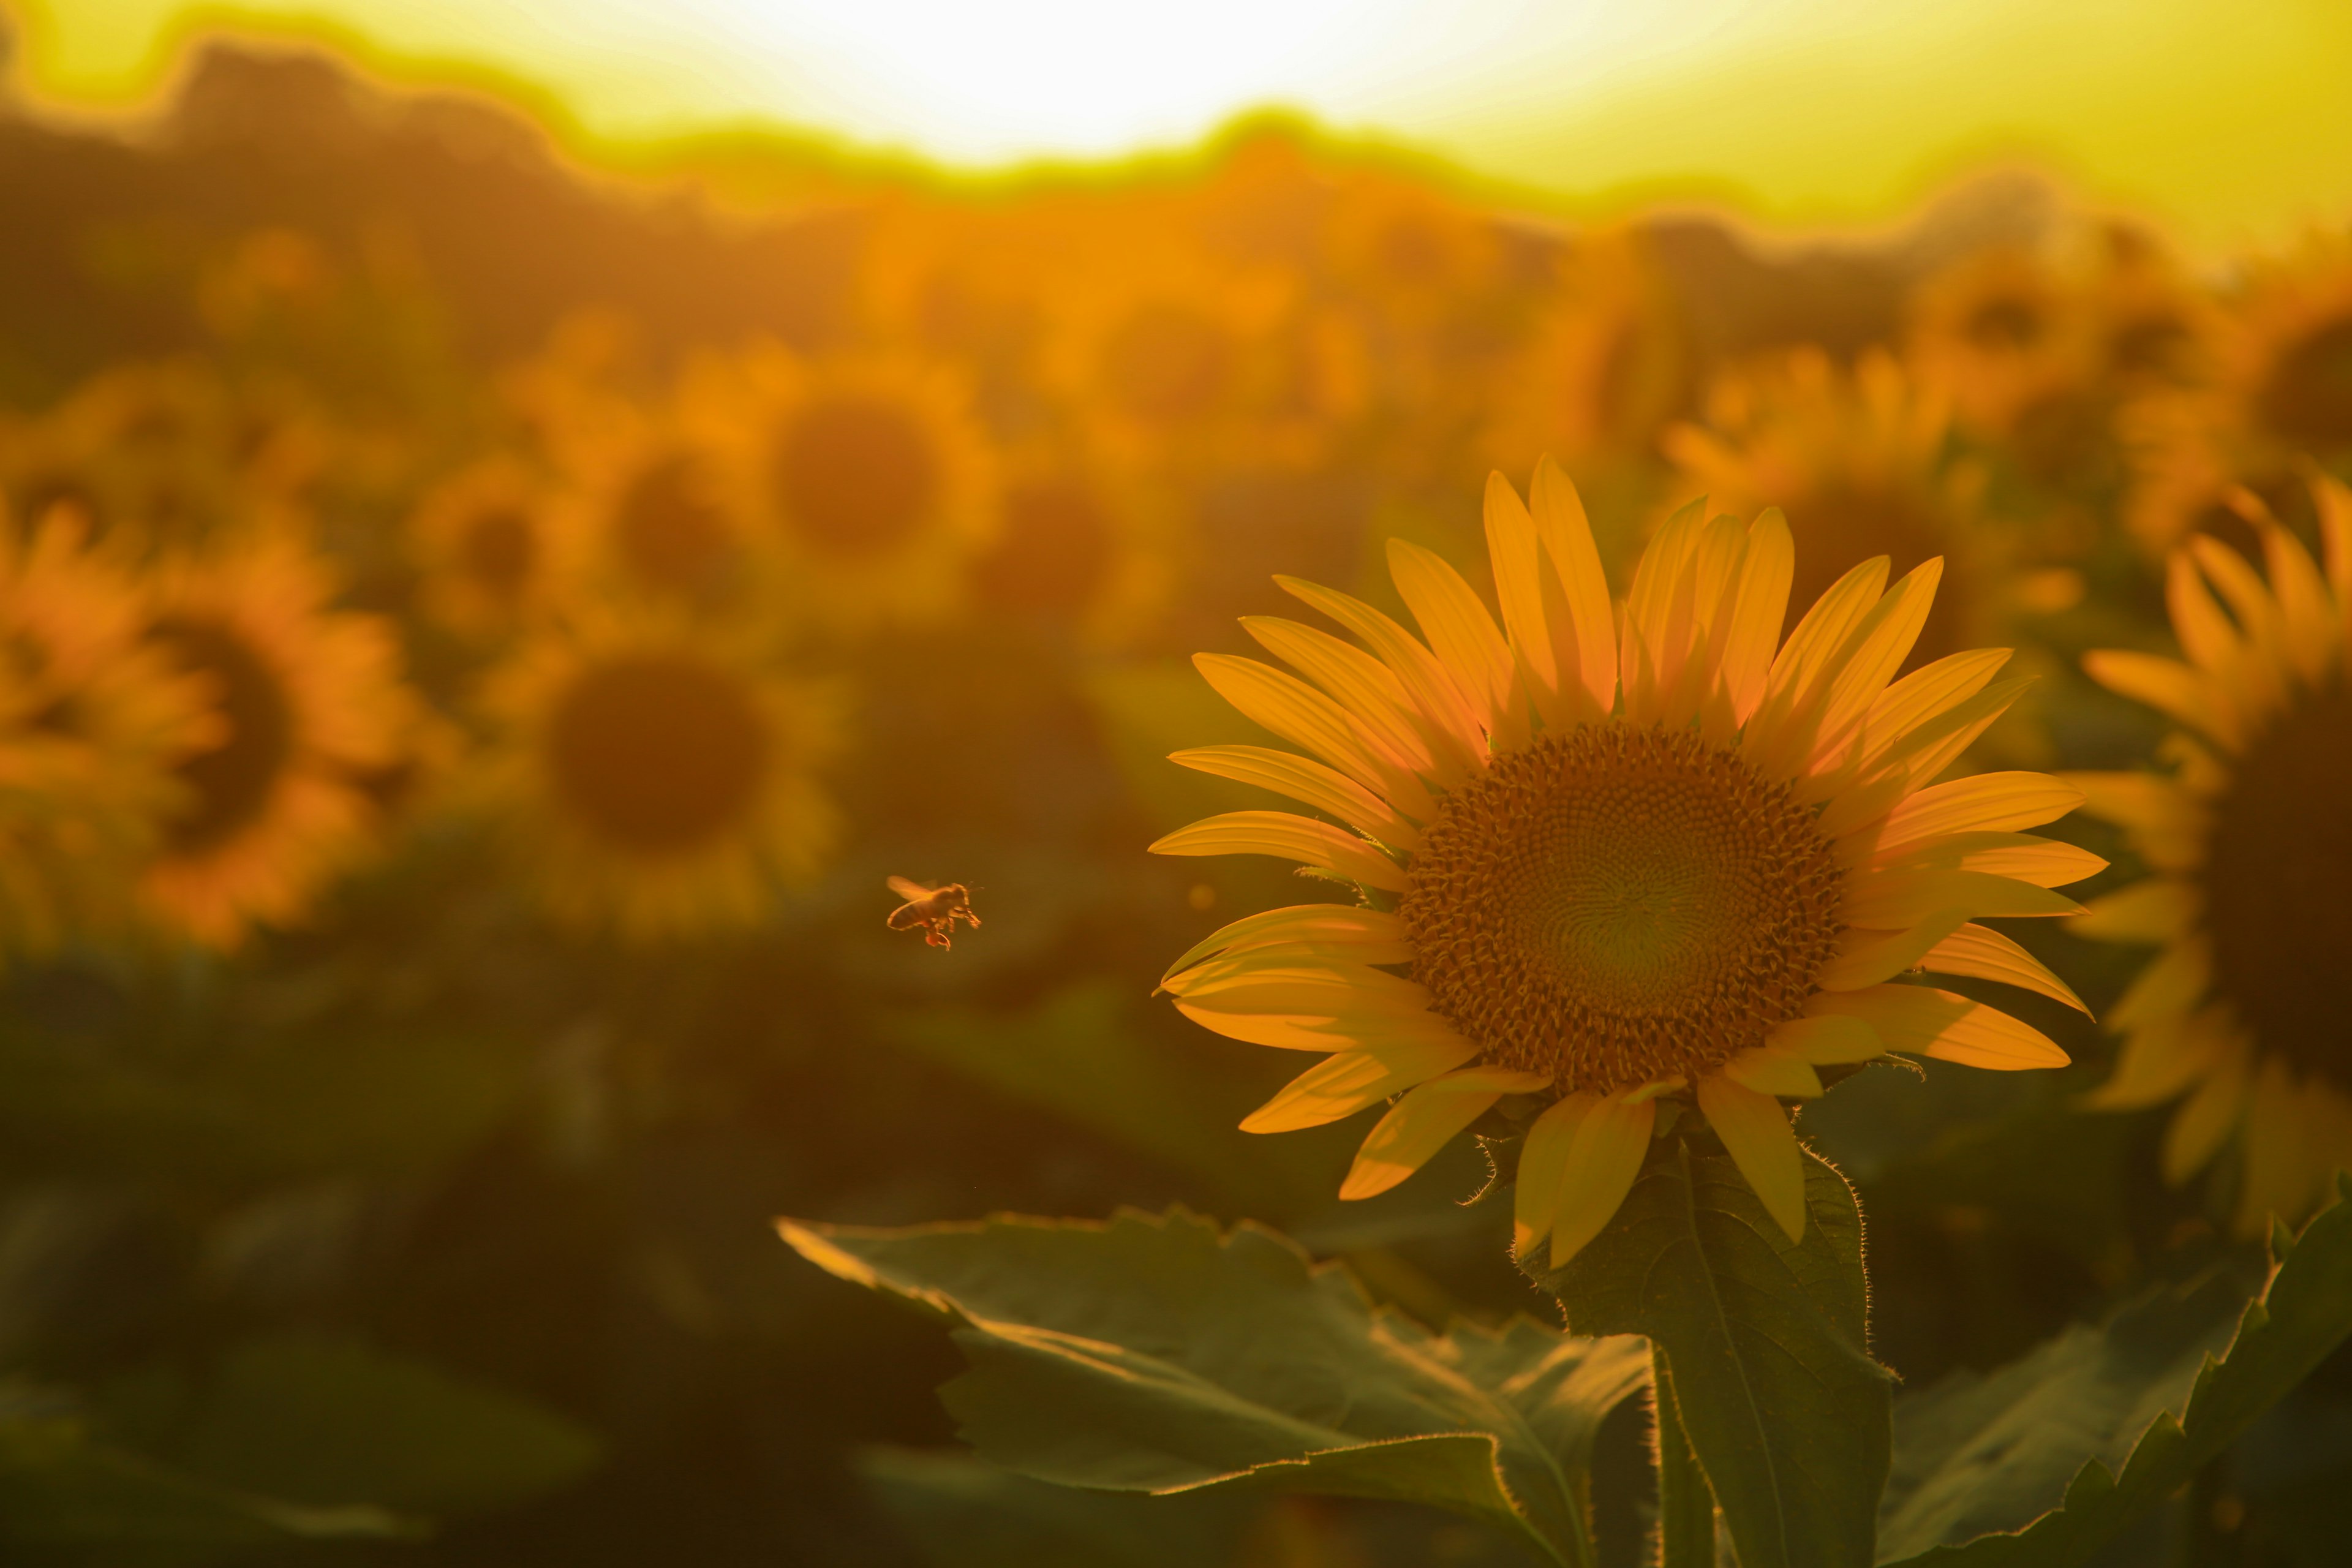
(2230, 124)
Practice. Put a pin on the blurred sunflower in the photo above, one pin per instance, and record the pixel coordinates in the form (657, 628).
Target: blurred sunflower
(1673, 859)
(1076, 544)
(657, 781)
(491, 547)
(1173, 358)
(1983, 324)
(1607, 367)
(866, 477)
(2250, 851)
(1408, 250)
(161, 452)
(1860, 463)
(93, 723)
(2282, 396)
(310, 716)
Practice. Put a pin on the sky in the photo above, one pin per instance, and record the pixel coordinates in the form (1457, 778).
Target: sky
(2231, 124)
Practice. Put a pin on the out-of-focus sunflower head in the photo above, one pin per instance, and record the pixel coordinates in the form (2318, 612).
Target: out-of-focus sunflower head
(655, 780)
(2247, 839)
(309, 714)
(1860, 463)
(162, 453)
(93, 725)
(492, 547)
(1174, 358)
(864, 480)
(1407, 250)
(1608, 365)
(2287, 355)
(1079, 542)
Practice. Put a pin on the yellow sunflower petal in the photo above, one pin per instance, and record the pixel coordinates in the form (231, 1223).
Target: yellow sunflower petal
(2168, 686)
(1322, 1031)
(1282, 955)
(1342, 1085)
(1770, 1070)
(1342, 924)
(1760, 604)
(1288, 837)
(2283, 1171)
(1365, 688)
(1939, 1024)
(2159, 910)
(1307, 782)
(1866, 957)
(2205, 1120)
(2308, 618)
(1603, 1158)
(1425, 1120)
(1434, 690)
(1756, 1132)
(1299, 991)
(2205, 633)
(1800, 676)
(1587, 642)
(1925, 694)
(2174, 982)
(1543, 1157)
(2334, 499)
(1460, 632)
(1874, 653)
(1512, 547)
(2156, 1063)
(1826, 1039)
(1980, 952)
(1900, 899)
(1306, 717)
(1982, 802)
(2044, 862)
(2251, 600)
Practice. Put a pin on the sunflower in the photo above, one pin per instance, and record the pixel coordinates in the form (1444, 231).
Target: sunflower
(491, 546)
(1409, 251)
(1075, 545)
(1862, 463)
(310, 716)
(93, 723)
(2249, 850)
(1607, 367)
(1607, 867)
(2281, 397)
(865, 477)
(1173, 358)
(656, 780)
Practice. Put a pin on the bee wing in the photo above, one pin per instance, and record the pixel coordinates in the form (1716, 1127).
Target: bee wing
(909, 891)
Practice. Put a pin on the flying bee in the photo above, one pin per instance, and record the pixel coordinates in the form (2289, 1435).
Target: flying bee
(936, 909)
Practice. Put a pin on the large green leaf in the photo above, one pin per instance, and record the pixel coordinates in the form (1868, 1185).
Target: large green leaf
(1158, 1355)
(1767, 1341)
(963, 1512)
(68, 1492)
(2041, 1463)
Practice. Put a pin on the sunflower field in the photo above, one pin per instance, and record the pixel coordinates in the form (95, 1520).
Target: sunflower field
(1257, 861)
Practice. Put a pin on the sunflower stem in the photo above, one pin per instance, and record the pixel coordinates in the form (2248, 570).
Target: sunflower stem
(1685, 1502)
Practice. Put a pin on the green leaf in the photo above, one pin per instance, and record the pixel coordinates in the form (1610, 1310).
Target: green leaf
(63, 1487)
(1155, 1354)
(962, 1512)
(2047, 1459)
(329, 1420)
(1768, 1343)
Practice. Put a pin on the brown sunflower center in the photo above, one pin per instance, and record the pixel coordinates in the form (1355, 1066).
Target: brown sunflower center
(499, 550)
(1166, 362)
(1055, 553)
(2275, 875)
(658, 752)
(855, 476)
(1613, 905)
(669, 530)
(2308, 398)
(230, 783)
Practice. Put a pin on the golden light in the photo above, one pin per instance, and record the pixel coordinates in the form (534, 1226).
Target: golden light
(2227, 121)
